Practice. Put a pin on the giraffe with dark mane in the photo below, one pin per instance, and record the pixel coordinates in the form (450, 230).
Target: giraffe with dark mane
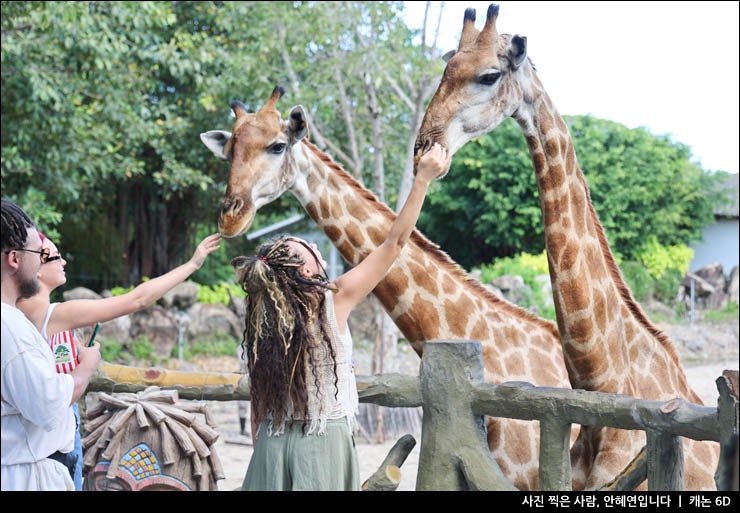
(427, 295)
(609, 343)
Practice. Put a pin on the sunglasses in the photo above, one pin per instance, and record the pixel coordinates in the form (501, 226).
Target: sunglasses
(44, 253)
(53, 258)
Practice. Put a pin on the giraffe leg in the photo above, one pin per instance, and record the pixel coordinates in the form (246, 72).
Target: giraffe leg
(615, 451)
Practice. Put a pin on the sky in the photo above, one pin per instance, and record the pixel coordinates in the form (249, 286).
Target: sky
(669, 67)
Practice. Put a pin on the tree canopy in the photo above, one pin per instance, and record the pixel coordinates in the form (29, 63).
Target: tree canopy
(103, 104)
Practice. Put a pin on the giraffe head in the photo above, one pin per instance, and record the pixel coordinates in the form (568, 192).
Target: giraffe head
(258, 148)
(480, 86)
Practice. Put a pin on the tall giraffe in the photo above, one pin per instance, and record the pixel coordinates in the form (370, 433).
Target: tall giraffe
(609, 343)
(426, 294)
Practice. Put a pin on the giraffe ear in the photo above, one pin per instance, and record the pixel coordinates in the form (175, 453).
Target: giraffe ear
(215, 140)
(517, 51)
(298, 125)
(449, 55)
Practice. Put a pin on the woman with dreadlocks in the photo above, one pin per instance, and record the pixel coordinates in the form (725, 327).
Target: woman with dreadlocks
(299, 352)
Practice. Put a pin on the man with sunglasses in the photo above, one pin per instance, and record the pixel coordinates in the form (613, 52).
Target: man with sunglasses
(38, 423)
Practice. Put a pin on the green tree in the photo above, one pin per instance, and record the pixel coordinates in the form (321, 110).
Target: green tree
(103, 104)
(487, 206)
(643, 187)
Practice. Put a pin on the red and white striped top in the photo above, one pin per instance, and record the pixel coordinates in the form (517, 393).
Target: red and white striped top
(62, 345)
(65, 351)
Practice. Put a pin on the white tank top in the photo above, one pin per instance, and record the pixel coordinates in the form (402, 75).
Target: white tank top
(333, 403)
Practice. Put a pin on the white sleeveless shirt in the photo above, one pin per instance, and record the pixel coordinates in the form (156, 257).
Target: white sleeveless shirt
(333, 402)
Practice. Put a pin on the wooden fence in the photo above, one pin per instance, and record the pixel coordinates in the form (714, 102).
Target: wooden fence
(450, 388)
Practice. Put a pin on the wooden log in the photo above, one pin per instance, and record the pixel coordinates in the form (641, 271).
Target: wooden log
(385, 479)
(393, 390)
(207, 433)
(122, 416)
(728, 471)
(141, 419)
(201, 449)
(94, 423)
(217, 468)
(154, 412)
(451, 371)
(168, 453)
(588, 408)
(177, 413)
(181, 435)
(665, 461)
(93, 436)
(400, 451)
(114, 446)
(388, 475)
(214, 386)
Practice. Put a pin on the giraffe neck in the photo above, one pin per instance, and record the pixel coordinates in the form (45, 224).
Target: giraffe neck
(601, 325)
(426, 294)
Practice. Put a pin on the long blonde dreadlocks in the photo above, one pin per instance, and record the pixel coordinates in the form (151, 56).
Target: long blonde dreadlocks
(286, 331)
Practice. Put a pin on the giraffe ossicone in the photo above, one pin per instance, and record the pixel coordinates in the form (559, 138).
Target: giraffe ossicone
(427, 295)
(609, 343)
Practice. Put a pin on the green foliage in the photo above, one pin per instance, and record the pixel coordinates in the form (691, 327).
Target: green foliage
(116, 95)
(487, 206)
(529, 267)
(119, 291)
(646, 288)
(659, 259)
(220, 344)
(142, 348)
(219, 293)
(638, 279)
(657, 272)
(525, 265)
(728, 313)
(642, 186)
(110, 349)
(139, 349)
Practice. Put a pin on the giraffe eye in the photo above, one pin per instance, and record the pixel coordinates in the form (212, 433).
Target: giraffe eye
(277, 148)
(489, 78)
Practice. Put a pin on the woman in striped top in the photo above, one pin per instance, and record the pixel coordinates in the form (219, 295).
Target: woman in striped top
(57, 321)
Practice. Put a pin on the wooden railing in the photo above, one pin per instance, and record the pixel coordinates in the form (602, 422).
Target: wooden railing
(450, 388)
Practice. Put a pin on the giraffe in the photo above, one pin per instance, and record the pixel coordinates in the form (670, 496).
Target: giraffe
(609, 343)
(427, 295)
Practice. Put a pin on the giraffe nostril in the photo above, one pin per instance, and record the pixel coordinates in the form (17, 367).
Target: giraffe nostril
(231, 206)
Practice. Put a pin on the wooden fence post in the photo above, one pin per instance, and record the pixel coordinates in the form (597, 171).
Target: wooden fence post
(454, 453)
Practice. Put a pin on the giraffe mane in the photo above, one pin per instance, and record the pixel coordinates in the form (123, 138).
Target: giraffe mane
(622, 287)
(440, 257)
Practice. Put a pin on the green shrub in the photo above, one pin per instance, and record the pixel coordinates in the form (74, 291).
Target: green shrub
(659, 259)
(142, 348)
(219, 293)
(529, 267)
(119, 291)
(219, 344)
(729, 312)
(110, 350)
(524, 265)
(638, 279)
